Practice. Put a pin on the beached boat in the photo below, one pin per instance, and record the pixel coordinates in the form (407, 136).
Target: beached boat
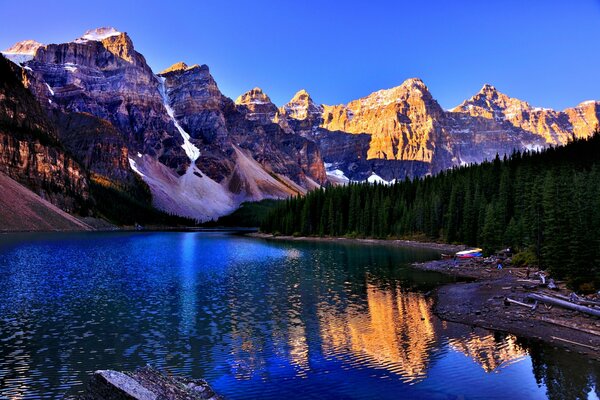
(470, 253)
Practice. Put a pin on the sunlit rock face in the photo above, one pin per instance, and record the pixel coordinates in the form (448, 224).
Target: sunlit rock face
(224, 130)
(403, 122)
(200, 153)
(552, 126)
(30, 152)
(409, 135)
(402, 125)
(584, 118)
(198, 142)
(22, 51)
(102, 74)
(257, 106)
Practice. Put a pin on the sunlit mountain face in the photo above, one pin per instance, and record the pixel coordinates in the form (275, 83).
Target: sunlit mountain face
(203, 154)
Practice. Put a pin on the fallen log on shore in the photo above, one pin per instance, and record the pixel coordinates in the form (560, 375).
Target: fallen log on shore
(564, 304)
(508, 300)
(579, 300)
(576, 343)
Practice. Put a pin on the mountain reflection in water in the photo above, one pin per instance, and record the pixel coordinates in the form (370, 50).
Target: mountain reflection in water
(256, 319)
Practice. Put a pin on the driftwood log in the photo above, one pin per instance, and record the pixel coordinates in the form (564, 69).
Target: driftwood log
(563, 303)
(579, 300)
(508, 300)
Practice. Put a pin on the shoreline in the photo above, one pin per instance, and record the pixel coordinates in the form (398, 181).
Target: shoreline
(442, 247)
(481, 303)
(479, 300)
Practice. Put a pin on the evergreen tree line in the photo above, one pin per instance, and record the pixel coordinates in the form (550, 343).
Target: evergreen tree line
(546, 204)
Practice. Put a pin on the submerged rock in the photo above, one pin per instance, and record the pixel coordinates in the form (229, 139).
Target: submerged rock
(145, 384)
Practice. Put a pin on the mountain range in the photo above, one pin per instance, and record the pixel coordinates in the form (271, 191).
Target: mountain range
(92, 112)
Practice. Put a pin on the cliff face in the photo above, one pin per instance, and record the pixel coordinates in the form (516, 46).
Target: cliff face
(202, 154)
(30, 152)
(223, 130)
(97, 145)
(104, 76)
(404, 122)
(552, 126)
(403, 131)
(257, 106)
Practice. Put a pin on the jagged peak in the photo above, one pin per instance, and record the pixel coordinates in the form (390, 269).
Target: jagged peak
(98, 34)
(588, 103)
(414, 83)
(301, 106)
(181, 66)
(253, 96)
(490, 101)
(412, 87)
(178, 66)
(489, 91)
(301, 95)
(24, 47)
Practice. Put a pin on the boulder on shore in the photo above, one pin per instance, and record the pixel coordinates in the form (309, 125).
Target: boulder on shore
(145, 384)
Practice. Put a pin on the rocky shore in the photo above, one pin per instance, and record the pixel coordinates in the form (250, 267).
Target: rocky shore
(501, 300)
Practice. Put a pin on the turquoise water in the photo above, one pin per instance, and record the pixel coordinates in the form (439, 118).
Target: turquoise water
(256, 319)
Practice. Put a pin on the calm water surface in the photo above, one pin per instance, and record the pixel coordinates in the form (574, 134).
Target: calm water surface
(257, 319)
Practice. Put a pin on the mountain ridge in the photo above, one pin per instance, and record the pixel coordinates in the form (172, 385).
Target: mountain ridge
(179, 126)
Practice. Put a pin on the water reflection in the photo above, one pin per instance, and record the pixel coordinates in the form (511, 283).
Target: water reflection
(491, 352)
(188, 283)
(256, 319)
(393, 332)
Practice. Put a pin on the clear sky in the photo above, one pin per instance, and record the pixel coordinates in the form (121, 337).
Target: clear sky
(546, 52)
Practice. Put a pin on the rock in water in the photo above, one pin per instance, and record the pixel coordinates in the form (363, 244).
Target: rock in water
(145, 384)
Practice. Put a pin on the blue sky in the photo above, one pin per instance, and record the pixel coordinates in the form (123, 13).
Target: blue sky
(545, 52)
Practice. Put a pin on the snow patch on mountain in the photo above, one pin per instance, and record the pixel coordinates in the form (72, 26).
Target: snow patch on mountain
(70, 67)
(18, 58)
(335, 175)
(21, 52)
(50, 89)
(374, 178)
(192, 151)
(98, 34)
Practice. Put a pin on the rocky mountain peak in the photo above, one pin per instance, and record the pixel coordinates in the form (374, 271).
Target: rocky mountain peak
(22, 51)
(414, 83)
(181, 67)
(489, 102)
(302, 106)
(24, 47)
(302, 95)
(488, 89)
(178, 66)
(412, 91)
(257, 106)
(98, 34)
(253, 96)
(589, 103)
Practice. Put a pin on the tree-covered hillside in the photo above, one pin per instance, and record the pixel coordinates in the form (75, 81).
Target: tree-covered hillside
(546, 203)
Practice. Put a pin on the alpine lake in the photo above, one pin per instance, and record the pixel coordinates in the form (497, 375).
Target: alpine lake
(257, 319)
